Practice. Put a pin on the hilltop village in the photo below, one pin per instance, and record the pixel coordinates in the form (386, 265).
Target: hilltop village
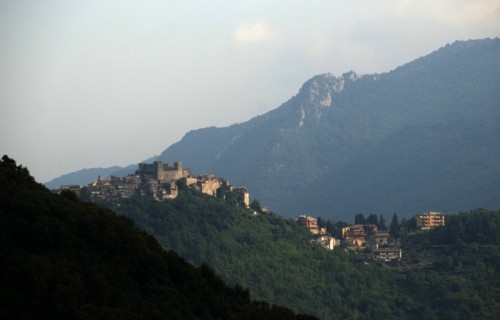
(158, 180)
(369, 237)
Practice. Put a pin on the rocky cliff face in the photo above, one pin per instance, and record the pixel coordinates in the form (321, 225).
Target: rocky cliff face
(317, 95)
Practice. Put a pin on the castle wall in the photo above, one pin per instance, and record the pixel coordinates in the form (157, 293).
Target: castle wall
(163, 171)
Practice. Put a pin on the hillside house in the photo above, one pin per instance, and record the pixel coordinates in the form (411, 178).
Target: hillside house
(329, 243)
(312, 224)
(380, 239)
(388, 254)
(354, 235)
(429, 220)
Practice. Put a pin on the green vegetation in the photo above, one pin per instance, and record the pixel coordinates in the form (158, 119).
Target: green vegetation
(268, 254)
(272, 256)
(463, 281)
(63, 259)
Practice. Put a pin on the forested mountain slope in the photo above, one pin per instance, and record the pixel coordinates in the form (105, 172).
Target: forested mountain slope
(274, 258)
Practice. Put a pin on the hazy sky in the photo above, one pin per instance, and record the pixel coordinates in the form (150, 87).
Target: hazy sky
(100, 83)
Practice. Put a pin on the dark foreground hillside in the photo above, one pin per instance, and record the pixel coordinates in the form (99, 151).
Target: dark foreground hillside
(63, 259)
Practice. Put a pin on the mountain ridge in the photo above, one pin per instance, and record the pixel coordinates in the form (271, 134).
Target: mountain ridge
(456, 84)
(287, 153)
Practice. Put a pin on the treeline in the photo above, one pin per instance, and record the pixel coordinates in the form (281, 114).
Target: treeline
(478, 226)
(396, 229)
(64, 259)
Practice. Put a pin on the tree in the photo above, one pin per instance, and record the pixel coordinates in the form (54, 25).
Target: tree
(255, 205)
(411, 224)
(403, 229)
(69, 195)
(359, 219)
(321, 222)
(338, 228)
(394, 227)
(381, 223)
(330, 227)
(372, 219)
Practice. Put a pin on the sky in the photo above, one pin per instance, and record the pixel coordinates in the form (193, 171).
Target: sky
(100, 83)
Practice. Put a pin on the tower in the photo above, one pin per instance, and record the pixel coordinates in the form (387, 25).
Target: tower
(158, 170)
(178, 166)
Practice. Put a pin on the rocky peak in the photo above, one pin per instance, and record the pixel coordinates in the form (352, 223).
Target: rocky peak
(317, 94)
(327, 83)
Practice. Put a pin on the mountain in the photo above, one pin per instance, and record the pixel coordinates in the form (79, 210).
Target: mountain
(423, 136)
(64, 259)
(85, 176)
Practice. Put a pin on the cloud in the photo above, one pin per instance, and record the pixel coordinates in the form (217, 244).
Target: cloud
(256, 33)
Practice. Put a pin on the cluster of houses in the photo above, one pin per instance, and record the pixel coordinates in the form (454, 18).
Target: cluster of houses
(363, 236)
(369, 236)
(320, 238)
(158, 180)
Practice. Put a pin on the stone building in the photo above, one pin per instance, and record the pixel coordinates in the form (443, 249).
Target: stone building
(162, 172)
(207, 184)
(165, 191)
(243, 195)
